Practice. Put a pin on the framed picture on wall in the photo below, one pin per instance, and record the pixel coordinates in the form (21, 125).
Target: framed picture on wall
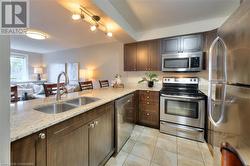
(72, 69)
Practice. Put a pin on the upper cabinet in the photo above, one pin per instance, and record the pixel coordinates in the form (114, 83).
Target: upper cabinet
(142, 56)
(182, 44)
(170, 45)
(146, 55)
(130, 57)
(192, 43)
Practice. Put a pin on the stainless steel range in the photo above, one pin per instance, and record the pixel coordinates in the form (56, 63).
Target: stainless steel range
(182, 108)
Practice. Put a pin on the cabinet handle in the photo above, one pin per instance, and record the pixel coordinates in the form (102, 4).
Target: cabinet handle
(95, 123)
(147, 102)
(42, 135)
(91, 125)
(147, 97)
(147, 114)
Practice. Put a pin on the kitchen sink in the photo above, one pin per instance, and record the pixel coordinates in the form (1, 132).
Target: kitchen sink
(55, 108)
(65, 106)
(82, 101)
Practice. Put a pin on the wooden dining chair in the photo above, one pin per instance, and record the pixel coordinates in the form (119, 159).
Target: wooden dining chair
(86, 85)
(104, 83)
(230, 156)
(14, 94)
(51, 89)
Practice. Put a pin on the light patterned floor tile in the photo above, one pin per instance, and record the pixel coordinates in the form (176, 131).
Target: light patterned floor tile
(164, 158)
(167, 144)
(186, 161)
(147, 139)
(118, 160)
(143, 150)
(136, 161)
(135, 134)
(139, 128)
(128, 146)
(167, 137)
(206, 155)
(187, 142)
(189, 151)
(154, 164)
(149, 147)
(150, 132)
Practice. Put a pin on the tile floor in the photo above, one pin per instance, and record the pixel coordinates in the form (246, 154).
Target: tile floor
(149, 147)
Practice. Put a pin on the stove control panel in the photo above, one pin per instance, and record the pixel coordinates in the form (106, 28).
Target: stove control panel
(181, 80)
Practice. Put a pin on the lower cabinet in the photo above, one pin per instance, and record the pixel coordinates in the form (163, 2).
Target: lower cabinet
(149, 114)
(86, 140)
(68, 145)
(101, 142)
(29, 150)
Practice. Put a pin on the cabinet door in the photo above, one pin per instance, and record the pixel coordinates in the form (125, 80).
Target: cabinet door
(191, 43)
(130, 57)
(101, 138)
(30, 150)
(149, 108)
(154, 55)
(170, 45)
(142, 56)
(68, 145)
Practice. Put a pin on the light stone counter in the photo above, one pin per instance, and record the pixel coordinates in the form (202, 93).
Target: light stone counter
(25, 120)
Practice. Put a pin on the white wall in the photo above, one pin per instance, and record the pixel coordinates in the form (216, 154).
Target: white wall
(34, 60)
(104, 59)
(4, 100)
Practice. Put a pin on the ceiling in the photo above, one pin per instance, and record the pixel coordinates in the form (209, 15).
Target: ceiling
(54, 19)
(129, 20)
(144, 15)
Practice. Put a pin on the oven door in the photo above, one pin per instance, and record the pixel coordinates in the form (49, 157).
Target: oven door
(188, 111)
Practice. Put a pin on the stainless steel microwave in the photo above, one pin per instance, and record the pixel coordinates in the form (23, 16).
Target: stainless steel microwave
(182, 62)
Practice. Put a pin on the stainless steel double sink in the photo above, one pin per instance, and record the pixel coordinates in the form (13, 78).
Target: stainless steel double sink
(66, 105)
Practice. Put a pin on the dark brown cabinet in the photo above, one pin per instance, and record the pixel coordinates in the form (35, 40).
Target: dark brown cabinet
(149, 114)
(30, 150)
(188, 43)
(83, 140)
(142, 56)
(87, 139)
(130, 51)
(101, 137)
(67, 144)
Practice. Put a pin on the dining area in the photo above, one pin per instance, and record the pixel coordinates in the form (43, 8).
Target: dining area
(52, 89)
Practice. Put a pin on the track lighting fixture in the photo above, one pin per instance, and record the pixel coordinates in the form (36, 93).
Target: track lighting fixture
(93, 27)
(109, 34)
(94, 20)
(76, 16)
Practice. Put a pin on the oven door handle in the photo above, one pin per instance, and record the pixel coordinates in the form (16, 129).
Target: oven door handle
(186, 98)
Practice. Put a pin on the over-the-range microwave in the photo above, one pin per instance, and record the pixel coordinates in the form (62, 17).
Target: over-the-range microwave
(182, 62)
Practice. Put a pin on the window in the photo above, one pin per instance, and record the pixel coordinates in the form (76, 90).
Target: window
(18, 67)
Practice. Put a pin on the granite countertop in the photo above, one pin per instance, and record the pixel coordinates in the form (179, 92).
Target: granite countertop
(24, 120)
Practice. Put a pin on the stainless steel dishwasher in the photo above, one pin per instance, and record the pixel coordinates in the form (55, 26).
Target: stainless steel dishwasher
(124, 120)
